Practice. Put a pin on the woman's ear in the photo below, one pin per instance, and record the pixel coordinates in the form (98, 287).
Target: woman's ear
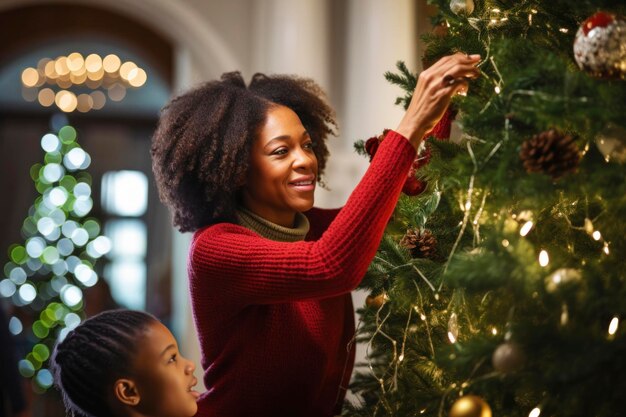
(126, 392)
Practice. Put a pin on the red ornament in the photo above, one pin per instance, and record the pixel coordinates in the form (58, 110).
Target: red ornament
(600, 19)
(413, 186)
(443, 128)
(371, 145)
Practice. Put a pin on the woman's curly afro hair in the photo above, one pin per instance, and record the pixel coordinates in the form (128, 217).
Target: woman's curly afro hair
(201, 147)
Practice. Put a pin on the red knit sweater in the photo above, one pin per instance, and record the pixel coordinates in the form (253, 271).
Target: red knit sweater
(275, 319)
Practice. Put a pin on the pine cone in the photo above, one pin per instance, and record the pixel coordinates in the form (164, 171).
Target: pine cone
(552, 152)
(421, 243)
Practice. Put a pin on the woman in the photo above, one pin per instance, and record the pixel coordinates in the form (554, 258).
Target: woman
(270, 276)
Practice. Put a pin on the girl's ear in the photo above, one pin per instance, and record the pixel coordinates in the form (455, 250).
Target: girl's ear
(126, 392)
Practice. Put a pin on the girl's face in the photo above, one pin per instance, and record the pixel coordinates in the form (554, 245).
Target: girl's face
(283, 169)
(164, 378)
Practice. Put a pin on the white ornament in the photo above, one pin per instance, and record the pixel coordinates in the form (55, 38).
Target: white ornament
(599, 45)
(465, 7)
(612, 143)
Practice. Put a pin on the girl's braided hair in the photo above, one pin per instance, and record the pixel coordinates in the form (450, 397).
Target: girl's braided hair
(201, 147)
(93, 355)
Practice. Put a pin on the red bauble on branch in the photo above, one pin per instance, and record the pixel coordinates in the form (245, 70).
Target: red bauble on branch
(441, 131)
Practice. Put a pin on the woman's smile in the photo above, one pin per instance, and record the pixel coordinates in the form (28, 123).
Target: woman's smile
(283, 169)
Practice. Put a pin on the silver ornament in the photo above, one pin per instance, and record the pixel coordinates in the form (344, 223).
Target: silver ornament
(508, 357)
(611, 142)
(599, 46)
(560, 277)
(465, 7)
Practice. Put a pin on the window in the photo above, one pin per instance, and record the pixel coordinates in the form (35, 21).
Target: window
(125, 200)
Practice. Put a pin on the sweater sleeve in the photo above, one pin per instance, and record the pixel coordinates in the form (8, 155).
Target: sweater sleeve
(254, 270)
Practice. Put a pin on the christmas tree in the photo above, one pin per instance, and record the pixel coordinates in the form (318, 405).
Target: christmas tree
(45, 275)
(499, 286)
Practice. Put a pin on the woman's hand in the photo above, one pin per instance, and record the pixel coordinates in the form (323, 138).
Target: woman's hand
(435, 87)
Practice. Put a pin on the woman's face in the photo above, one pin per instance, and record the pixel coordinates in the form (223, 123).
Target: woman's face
(164, 378)
(283, 169)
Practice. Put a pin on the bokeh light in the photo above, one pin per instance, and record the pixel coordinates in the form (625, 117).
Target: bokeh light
(66, 101)
(74, 159)
(52, 172)
(27, 293)
(15, 326)
(80, 237)
(137, 77)
(71, 295)
(7, 288)
(58, 196)
(126, 68)
(50, 143)
(26, 368)
(44, 378)
(30, 77)
(41, 352)
(72, 320)
(46, 97)
(18, 275)
(67, 134)
(35, 247)
(117, 92)
(99, 99)
(75, 62)
(111, 63)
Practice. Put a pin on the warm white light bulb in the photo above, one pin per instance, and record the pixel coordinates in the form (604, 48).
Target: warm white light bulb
(596, 235)
(535, 412)
(613, 326)
(451, 337)
(526, 228)
(544, 259)
(497, 89)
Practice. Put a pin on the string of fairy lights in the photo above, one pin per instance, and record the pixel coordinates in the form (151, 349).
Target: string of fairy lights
(77, 83)
(523, 222)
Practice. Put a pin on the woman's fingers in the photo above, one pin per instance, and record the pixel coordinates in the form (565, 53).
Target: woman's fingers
(435, 87)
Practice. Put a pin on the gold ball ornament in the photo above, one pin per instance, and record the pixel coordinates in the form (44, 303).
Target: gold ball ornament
(375, 301)
(470, 406)
(465, 7)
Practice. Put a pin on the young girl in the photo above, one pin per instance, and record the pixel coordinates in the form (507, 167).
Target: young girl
(270, 275)
(124, 363)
